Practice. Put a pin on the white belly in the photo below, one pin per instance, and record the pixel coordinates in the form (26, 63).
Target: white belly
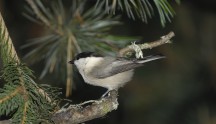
(113, 82)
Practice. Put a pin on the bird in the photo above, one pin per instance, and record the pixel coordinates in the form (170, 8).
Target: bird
(107, 71)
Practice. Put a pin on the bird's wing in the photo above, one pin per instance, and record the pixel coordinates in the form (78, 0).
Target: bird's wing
(121, 65)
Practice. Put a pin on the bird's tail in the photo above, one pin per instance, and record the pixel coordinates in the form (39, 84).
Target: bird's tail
(150, 58)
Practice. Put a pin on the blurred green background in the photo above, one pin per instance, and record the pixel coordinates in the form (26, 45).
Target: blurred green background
(180, 89)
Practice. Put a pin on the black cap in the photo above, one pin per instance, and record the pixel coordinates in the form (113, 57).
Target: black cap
(84, 55)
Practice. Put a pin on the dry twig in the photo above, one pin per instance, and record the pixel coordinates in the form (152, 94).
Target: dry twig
(164, 39)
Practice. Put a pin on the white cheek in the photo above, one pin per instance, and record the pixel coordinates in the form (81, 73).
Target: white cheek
(85, 65)
(93, 61)
(80, 64)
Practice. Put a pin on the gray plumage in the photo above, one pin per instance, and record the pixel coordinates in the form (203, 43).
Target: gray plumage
(108, 72)
(110, 66)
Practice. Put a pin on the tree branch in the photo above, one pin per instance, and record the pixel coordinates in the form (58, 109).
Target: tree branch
(7, 42)
(77, 114)
(8, 52)
(164, 39)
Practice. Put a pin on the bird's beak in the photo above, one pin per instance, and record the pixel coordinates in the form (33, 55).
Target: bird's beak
(71, 62)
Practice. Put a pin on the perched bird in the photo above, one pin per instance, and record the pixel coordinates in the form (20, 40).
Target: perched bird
(108, 72)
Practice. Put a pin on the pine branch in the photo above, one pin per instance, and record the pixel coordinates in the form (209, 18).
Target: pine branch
(10, 95)
(21, 94)
(141, 9)
(24, 113)
(6, 41)
(10, 53)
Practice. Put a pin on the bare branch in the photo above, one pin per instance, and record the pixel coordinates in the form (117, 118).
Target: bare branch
(164, 40)
(77, 114)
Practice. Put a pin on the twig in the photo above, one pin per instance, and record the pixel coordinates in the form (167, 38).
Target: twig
(76, 114)
(164, 40)
(69, 67)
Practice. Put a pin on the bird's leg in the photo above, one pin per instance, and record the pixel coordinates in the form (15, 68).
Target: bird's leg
(105, 93)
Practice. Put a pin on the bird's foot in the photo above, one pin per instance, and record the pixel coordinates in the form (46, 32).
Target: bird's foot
(106, 93)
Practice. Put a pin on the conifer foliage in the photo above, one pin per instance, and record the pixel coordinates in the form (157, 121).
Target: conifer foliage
(21, 98)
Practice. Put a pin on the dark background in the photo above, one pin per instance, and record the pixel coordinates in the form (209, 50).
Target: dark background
(180, 89)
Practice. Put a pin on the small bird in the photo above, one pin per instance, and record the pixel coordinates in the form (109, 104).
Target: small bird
(108, 72)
